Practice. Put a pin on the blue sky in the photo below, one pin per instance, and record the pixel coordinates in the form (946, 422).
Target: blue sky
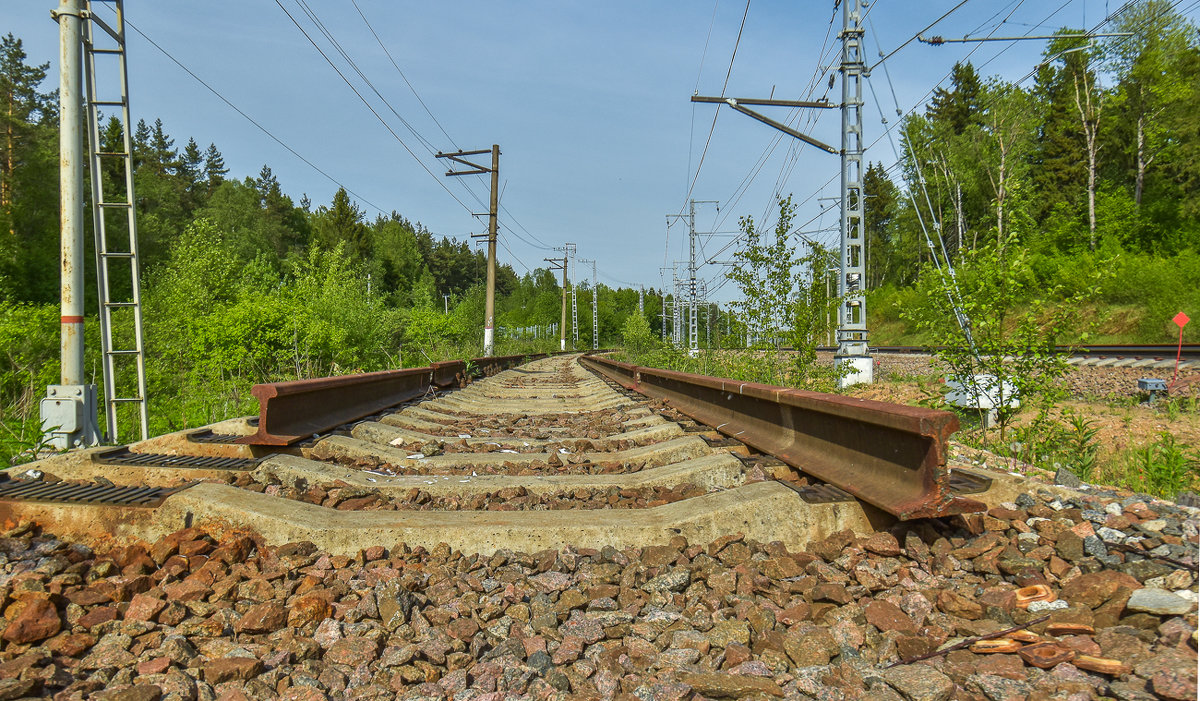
(588, 101)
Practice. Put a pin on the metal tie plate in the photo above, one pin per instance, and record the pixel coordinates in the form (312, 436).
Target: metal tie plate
(84, 493)
(968, 482)
(124, 457)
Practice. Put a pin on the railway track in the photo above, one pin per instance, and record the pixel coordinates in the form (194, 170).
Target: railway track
(568, 527)
(559, 451)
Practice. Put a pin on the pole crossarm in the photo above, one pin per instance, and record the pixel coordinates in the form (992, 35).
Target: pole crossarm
(458, 157)
(820, 104)
(489, 314)
(739, 105)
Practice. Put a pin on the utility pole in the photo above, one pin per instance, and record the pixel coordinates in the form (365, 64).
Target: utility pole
(642, 300)
(561, 264)
(693, 336)
(664, 302)
(852, 351)
(595, 306)
(664, 316)
(68, 412)
(693, 331)
(476, 169)
(570, 253)
(446, 301)
(595, 309)
(675, 306)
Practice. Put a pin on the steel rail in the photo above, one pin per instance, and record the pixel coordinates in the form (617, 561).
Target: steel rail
(888, 455)
(1166, 351)
(290, 412)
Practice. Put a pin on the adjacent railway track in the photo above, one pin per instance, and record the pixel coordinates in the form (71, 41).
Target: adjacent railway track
(1145, 354)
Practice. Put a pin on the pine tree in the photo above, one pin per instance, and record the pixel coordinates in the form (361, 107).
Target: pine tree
(342, 221)
(141, 144)
(214, 167)
(267, 185)
(164, 157)
(959, 106)
(879, 213)
(22, 107)
(189, 164)
(1058, 169)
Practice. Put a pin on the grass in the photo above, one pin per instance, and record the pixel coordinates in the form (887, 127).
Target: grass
(1163, 468)
(1091, 438)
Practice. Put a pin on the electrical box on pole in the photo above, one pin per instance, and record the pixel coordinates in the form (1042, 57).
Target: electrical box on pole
(459, 157)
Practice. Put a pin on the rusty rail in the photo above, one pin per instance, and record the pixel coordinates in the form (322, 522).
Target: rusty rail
(888, 455)
(290, 412)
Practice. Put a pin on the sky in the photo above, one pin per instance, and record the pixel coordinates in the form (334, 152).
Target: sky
(589, 103)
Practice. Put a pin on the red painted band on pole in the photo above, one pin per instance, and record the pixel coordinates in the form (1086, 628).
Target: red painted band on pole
(72, 319)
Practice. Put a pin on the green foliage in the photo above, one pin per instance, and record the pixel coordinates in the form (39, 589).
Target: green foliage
(1095, 161)
(1164, 468)
(1082, 449)
(29, 348)
(779, 308)
(1013, 325)
(637, 335)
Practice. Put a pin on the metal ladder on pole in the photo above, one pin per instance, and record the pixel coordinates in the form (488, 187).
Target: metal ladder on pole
(114, 259)
(574, 306)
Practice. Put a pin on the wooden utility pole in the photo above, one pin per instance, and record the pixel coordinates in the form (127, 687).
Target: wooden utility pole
(476, 169)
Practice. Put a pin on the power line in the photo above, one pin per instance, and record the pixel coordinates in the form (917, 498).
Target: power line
(793, 119)
(248, 118)
(704, 54)
(428, 145)
(404, 77)
(914, 37)
(724, 86)
(369, 107)
(354, 66)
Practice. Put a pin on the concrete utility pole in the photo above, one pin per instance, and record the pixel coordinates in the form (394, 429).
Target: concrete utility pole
(642, 300)
(70, 147)
(561, 264)
(68, 412)
(489, 312)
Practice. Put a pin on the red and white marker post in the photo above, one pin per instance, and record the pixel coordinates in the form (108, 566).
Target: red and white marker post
(1180, 320)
